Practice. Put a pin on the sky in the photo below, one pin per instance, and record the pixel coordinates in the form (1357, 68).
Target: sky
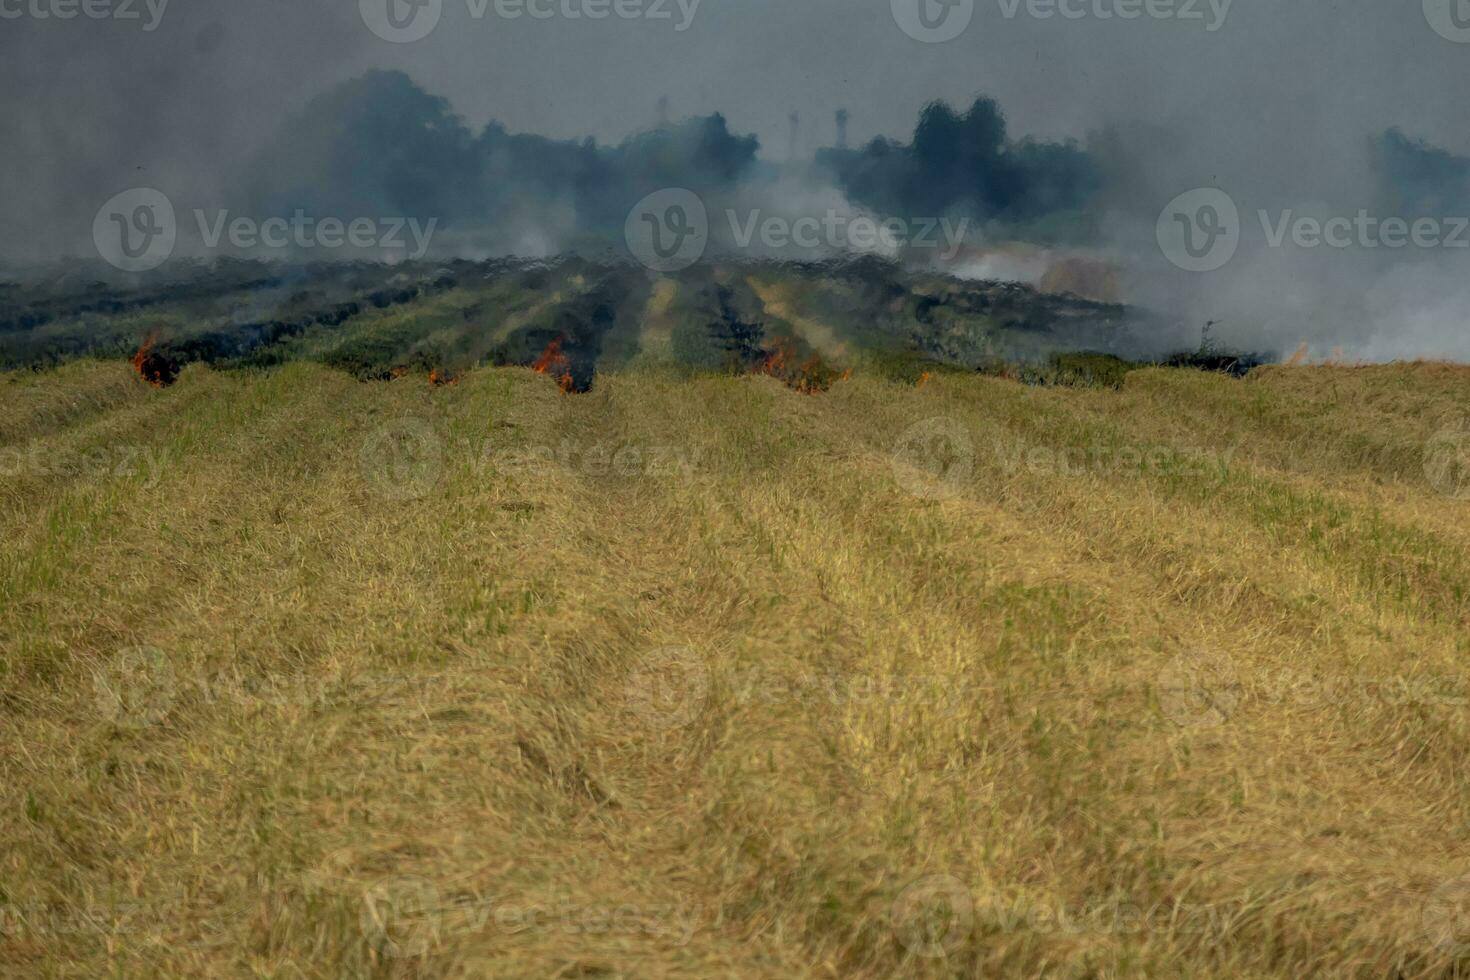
(1273, 102)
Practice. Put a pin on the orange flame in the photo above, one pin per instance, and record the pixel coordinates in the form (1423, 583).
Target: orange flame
(140, 359)
(553, 362)
(813, 377)
(439, 379)
(923, 380)
(775, 361)
(810, 377)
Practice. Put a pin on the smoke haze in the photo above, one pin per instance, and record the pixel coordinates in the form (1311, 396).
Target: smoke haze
(535, 135)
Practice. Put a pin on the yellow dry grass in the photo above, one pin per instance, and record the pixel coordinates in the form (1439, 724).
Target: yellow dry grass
(656, 339)
(776, 298)
(302, 677)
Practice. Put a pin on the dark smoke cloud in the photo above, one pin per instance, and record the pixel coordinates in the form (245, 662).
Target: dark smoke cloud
(1420, 179)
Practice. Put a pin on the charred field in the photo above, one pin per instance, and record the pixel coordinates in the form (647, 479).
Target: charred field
(532, 619)
(809, 323)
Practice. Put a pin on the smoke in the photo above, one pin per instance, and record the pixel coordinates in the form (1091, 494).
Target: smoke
(1364, 261)
(1419, 179)
(516, 136)
(380, 145)
(1054, 214)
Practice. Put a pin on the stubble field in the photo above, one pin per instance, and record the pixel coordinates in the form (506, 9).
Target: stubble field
(304, 676)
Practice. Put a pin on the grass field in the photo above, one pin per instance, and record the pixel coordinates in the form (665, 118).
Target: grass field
(309, 677)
